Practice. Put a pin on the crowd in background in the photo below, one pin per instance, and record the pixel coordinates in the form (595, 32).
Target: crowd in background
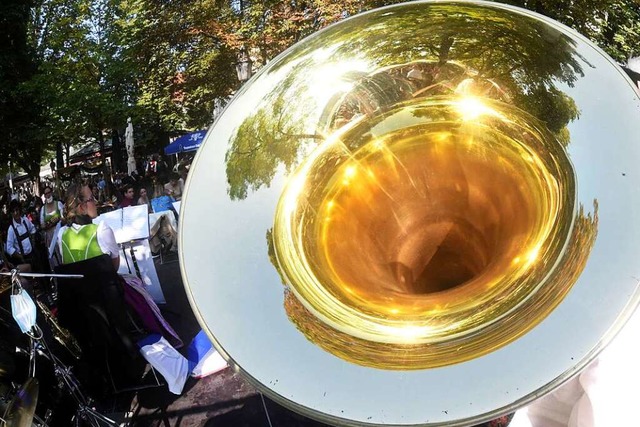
(139, 188)
(28, 221)
(110, 311)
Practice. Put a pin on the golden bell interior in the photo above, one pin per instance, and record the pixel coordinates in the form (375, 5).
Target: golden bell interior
(485, 136)
(427, 223)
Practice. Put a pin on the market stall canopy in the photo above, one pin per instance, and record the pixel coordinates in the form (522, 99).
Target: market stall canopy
(186, 143)
(89, 151)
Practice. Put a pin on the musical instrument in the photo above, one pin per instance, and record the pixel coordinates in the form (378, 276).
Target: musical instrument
(422, 215)
(59, 333)
(21, 409)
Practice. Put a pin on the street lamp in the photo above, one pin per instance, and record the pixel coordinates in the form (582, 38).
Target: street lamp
(243, 66)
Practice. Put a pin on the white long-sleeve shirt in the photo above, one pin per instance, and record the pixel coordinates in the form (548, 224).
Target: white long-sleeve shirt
(13, 247)
(105, 237)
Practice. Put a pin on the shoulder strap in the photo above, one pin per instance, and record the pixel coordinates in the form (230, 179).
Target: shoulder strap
(27, 232)
(27, 228)
(17, 236)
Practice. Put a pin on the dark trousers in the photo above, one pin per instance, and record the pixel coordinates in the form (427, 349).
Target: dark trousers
(15, 259)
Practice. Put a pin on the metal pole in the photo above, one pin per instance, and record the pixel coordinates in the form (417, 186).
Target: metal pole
(10, 178)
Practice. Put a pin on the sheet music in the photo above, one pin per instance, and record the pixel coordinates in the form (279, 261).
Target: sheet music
(113, 219)
(130, 223)
(135, 222)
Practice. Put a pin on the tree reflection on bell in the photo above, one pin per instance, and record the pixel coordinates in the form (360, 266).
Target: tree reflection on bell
(417, 217)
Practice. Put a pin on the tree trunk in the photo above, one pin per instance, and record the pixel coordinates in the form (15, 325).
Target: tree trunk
(105, 171)
(34, 174)
(116, 151)
(59, 155)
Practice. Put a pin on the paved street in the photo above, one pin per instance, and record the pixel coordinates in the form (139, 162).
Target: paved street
(219, 400)
(222, 399)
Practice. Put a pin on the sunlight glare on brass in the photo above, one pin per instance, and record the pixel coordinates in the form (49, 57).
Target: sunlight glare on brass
(431, 199)
(434, 227)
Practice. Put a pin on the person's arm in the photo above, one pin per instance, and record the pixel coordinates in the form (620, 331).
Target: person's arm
(57, 241)
(11, 241)
(61, 209)
(107, 242)
(30, 227)
(42, 224)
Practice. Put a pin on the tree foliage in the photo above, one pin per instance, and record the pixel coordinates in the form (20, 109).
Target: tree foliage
(612, 24)
(71, 70)
(82, 80)
(20, 110)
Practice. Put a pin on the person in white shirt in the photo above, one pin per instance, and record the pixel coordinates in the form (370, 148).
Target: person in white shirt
(19, 235)
(82, 240)
(183, 178)
(172, 188)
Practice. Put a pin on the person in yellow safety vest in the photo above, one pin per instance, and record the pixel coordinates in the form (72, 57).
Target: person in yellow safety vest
(81, 239)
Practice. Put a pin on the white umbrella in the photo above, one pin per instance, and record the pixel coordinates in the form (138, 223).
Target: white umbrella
(634, 64)
(131, 161)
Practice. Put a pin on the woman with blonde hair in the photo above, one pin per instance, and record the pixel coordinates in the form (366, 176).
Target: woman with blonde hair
(51, 216)
(81, 239)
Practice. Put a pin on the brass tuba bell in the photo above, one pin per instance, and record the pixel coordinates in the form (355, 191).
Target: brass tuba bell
(422, 215)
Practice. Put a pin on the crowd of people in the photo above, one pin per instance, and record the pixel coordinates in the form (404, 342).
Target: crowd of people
(29, 223)
(54, 231)
(139, 188)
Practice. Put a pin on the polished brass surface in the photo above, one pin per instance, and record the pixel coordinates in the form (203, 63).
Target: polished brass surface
(422, 215)
(428, 224)
(457, 208)
(60, 334)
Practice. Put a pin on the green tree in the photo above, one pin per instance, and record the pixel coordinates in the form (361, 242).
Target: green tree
(56, 29)
(20, 109)
(267, 139)
(71, 70)
(85, 81)
(619, 31)
(612, 24)
(180, 71)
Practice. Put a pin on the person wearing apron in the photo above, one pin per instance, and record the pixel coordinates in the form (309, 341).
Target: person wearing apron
(51, 216)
